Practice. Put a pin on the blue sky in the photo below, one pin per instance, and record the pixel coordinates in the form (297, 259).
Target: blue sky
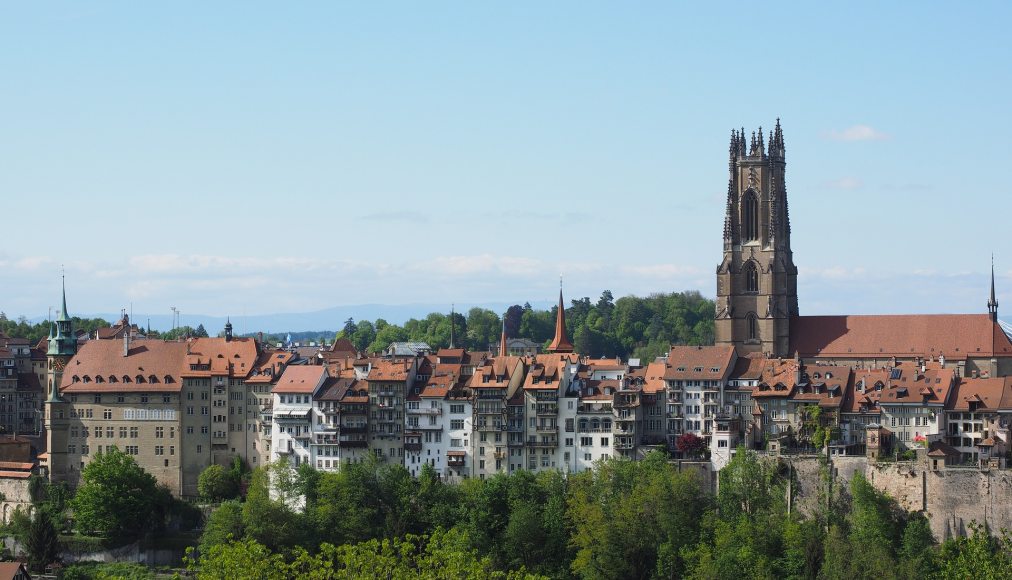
(263, 158)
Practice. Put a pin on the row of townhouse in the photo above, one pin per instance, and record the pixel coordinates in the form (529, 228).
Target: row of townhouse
(179, 406)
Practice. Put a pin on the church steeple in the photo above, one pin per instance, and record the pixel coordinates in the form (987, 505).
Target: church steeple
(63, 342)
(757, 279)
(992, 303)
(502, 339)
(561, 341)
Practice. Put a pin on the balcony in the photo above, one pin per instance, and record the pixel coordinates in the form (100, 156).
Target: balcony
(354, 428)
(412, 446)
(547, 429)
(591, 408)
(542, 443)
(426, 411)
(353, 443)
(385, 404)
(547, 410)
(624, 445)
(455, 460)
(499, 455)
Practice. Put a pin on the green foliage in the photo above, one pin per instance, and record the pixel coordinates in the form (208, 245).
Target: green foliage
(107, 571)
(215, 483)
(439, 555)
(978, 556)
(629, 326)
(625, 519)
(224, 524)
(21, 328)
(632, 519)
(42, 542)
(116, 496)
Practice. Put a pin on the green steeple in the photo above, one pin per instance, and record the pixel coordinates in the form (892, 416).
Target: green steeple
(64, 342)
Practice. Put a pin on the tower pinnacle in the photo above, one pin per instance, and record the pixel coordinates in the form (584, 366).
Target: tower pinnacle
(992, 303)
(561, 341)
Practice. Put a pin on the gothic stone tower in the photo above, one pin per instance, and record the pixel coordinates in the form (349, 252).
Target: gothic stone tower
(757, 293)
(62, 347)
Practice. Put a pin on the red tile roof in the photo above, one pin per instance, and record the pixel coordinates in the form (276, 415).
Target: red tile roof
(956, 336)
(300, 379)
(104, 358)
(699, 362)
(987, 393)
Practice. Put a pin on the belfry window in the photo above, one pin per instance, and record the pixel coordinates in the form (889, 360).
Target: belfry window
(750, 217)
(752, 321)
(750, 274)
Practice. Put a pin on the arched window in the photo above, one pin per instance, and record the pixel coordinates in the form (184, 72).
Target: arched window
(752, 321)
(749, 217)
(750, 274)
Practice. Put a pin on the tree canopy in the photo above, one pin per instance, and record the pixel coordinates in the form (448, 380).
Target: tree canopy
(116, 496)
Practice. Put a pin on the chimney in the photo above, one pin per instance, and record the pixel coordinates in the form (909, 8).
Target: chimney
(126, 343)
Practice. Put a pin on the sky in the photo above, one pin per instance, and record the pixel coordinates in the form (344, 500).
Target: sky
(264, 157)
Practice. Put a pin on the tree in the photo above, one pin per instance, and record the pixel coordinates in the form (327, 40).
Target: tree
(200, 332)
(43, 548)
(116, 495)
(632, 519)
(690, 444)
(215, 483)
(245, 558)
(483, 328)
(224, 525)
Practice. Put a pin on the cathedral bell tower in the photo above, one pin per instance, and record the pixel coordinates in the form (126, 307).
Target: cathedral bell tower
(757, 290)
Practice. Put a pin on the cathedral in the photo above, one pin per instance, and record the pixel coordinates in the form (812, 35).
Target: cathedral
(757, 296)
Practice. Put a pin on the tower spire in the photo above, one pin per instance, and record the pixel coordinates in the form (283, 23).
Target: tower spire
(63, 284)
(452, 306)
(561, 341)
(992, 303)
(502, 338)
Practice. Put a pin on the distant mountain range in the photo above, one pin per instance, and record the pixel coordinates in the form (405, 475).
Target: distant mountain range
(330, 319)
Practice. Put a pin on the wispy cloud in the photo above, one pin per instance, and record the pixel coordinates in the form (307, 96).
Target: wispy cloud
(848, 182)
(856, 133)
(396, 215)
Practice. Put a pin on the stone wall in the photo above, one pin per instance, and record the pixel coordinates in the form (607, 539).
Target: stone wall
(950, 498)
(15, 495)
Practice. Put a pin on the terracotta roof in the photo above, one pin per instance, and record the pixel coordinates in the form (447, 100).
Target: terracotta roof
(827, 386)
(383, 370)
(19, 465)
(236, 357)
(907, 388)
(986, 393)
(546, 370)
(954, 335)
(335, 388)
(699, 362)
(450, 353)
(748, 367)
(942, 449)
(16, 474)
(269, 366)
(300, 379)
(487, 375)
(779, 377)
(104, 358)
(342, 346)
(654, 378)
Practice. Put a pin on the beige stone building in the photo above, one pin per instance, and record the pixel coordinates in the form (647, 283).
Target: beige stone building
(176, 407)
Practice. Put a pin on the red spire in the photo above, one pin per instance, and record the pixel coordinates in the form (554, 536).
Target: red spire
(561, 342)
